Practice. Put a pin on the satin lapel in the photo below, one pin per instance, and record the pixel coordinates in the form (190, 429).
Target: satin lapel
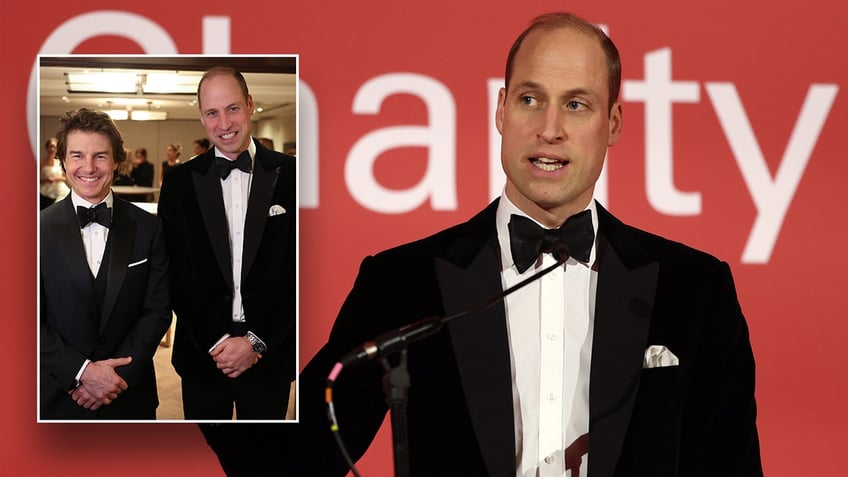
(258, 204)
(122, 237)
(69, 239)
(625, 300)
(207, 186)
(480, 344)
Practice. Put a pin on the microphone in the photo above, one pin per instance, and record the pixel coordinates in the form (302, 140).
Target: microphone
(396, 340)
(393, 341)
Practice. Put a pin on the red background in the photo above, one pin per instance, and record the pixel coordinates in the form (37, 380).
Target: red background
(772, 52)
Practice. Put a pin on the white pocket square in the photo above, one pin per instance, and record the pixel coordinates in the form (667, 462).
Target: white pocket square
(276, 210)
(136, 263)
(658, 356)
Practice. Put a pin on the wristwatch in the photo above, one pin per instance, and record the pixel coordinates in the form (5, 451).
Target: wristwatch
(257, 344)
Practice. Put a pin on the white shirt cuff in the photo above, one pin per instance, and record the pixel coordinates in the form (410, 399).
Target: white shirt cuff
(79, 373)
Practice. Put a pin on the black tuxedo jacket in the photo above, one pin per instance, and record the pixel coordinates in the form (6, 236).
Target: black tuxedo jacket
(136, 310)
(694, 419)
(142, 174)
(192, 206)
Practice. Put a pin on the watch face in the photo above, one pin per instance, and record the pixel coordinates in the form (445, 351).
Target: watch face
(255, 343)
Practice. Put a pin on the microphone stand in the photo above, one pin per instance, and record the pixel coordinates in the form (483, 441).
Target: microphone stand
(396, 387)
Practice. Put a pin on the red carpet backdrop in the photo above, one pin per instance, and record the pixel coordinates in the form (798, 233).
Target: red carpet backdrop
(731, 143)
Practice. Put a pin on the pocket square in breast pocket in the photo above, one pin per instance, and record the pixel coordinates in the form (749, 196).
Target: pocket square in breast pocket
(276, 209)
(658, 356)
(136, 263)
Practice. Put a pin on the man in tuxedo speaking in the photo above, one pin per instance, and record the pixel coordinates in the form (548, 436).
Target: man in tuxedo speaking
(230, 227)
(104, 286)
(631, 357)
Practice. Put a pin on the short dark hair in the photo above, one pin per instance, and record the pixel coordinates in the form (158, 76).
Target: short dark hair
(225, 71)
(556, 20)
(203, 142)
(90, 120)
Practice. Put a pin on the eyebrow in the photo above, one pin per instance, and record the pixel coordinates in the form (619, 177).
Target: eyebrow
(96, 153)
(527, 85)
(571, 92)
(225, 107)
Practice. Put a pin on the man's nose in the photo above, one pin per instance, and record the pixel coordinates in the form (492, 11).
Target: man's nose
(552, 129)
(88, 164)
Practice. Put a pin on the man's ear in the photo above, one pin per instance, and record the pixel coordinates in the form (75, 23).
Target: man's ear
(615, 124)
(499, 113)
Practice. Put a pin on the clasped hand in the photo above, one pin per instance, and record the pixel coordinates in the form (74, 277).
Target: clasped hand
(234, 356)
(100, 384)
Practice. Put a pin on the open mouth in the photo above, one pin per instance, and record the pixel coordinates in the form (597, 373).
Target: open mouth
(547, 164)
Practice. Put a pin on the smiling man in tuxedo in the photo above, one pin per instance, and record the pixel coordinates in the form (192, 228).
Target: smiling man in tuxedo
(104, 286)
(230, 225)
(631, 358)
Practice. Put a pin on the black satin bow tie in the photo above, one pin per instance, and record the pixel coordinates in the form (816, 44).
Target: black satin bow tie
(99, 213)
(225, 166)
(573, 239)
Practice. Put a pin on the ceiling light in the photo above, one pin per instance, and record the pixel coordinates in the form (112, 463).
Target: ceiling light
(102, 82)
(171, 83)
(118, 114)
(149, 115)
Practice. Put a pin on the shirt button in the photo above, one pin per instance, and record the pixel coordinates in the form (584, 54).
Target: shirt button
(552, 276)
(550, 397)
(550, 459)
(552, 336)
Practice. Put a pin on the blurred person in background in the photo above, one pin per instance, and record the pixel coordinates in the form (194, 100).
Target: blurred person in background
(172, 158)
(200, 146)
(52, 177)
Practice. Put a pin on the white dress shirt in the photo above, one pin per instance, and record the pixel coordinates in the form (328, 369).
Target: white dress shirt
(93, 235)
(236, 191)
(550, 323)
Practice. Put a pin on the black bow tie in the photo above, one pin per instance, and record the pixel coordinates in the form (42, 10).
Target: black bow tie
(225, 166)
(98, 213)
(573, 239)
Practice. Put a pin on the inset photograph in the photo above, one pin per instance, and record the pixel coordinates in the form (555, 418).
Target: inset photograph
(168, 238)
